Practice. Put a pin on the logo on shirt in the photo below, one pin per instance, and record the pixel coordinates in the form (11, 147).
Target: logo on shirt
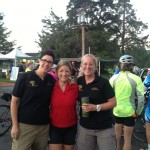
(32, 83)
(49, 84)
(94, 89)
(80, 87)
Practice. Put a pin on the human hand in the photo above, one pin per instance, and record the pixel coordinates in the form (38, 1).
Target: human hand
(88, 107)
(15, 132)
(134, 115)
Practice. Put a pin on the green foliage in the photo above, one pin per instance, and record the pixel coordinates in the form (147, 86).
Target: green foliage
(112, 30)
(6, 80)
(142, 57)
(5, 45)
(130, 28)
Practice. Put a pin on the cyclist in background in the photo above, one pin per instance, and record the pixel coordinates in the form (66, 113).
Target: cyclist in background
(145, 79)
(147, 110)
(117, 70)
(126, 86)
(29, 67)
(136, 70)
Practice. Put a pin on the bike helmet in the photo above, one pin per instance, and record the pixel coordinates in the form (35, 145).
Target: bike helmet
(126, 59)
(147, 81)
(54, 66)
(137, 69)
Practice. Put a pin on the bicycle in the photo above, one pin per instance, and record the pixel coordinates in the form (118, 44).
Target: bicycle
(139, 132)
(5, 117)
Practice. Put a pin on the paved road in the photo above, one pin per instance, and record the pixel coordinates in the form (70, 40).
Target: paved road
(5, 140)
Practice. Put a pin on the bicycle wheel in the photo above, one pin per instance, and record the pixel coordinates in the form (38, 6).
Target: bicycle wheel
(139, 132)
(5, 119)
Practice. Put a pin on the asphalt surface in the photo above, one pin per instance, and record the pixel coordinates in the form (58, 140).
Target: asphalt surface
(5, 140)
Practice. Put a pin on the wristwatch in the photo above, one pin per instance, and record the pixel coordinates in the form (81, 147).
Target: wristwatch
(98, 108)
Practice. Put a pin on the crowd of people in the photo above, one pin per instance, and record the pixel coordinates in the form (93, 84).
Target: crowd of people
(45, 104)
(25, 67)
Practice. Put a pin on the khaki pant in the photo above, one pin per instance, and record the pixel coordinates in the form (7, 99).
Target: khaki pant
(89, 139)
(31, 137)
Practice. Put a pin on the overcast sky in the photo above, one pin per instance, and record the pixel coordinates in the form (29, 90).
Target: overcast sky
(23, 18)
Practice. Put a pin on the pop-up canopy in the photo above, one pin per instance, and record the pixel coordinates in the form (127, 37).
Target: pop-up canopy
(16, 54)
(2, 56)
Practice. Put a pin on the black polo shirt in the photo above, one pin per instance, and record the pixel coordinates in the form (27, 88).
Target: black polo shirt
(34, 94)
(98, 92)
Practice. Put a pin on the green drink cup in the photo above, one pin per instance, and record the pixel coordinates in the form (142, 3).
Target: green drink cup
(85, 100)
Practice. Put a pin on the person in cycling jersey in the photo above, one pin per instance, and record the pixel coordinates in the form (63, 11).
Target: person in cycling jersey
(136, 70)
(117, 70)
(147, 111)
(126, 86)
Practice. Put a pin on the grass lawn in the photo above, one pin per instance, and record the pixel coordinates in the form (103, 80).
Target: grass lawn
(6, 80)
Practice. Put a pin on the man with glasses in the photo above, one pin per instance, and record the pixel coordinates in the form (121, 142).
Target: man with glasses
(30, 106)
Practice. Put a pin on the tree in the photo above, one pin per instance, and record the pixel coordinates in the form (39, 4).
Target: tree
(114, 27)
(114, 30)
(130, 28)
(5, 45)
(56, 35)
(142, 57)
(102, 19)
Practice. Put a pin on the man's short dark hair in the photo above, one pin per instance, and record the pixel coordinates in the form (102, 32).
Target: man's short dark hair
(47, 52)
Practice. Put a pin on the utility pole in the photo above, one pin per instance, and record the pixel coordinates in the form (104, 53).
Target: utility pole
(123, 29)
(83, 40)
(82, 24)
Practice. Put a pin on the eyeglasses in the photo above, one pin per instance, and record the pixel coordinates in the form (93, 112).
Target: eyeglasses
(90, 65)
(46, 61)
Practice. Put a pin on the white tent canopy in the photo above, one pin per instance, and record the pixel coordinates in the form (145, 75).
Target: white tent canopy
(2, 56)
(16, 54)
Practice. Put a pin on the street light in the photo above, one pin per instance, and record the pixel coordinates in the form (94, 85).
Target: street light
(1, 17)
(81, 21)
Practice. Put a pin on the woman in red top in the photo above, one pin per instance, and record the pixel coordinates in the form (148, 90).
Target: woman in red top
(63, 113)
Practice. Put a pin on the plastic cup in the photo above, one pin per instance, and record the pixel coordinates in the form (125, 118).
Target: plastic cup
(85, 100)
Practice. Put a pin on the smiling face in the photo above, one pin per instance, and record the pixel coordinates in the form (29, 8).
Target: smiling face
(88, 65)
(64, 73)
(45, 63)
